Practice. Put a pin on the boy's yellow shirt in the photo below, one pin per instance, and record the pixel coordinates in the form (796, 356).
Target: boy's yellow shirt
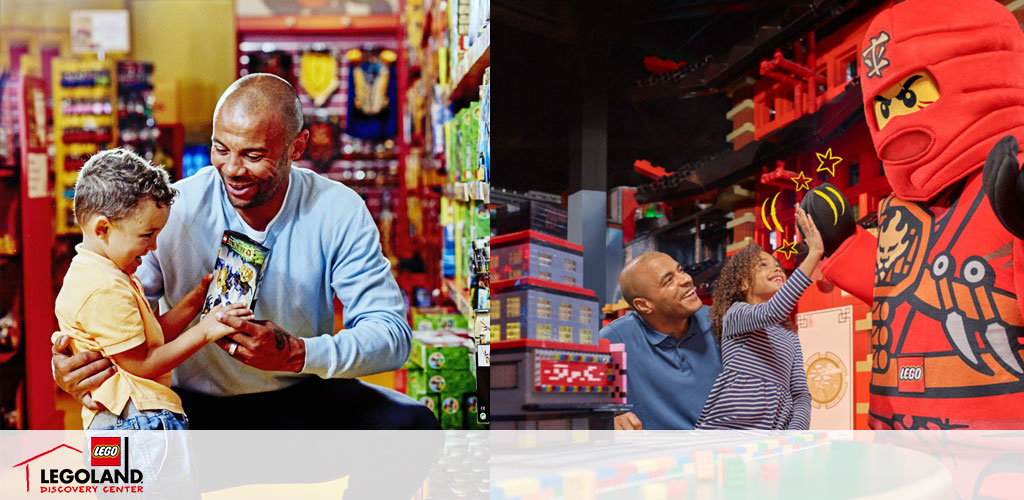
(103, 309)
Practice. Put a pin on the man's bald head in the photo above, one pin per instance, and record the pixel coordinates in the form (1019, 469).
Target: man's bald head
(636, 277)
(259, 93)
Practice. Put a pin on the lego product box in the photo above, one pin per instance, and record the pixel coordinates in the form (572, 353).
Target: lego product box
(440, 351)
(529, 308)
(536, 255)
(438, 321)
(452, 410)
(437, 381)
(430, 401)
(238, 272)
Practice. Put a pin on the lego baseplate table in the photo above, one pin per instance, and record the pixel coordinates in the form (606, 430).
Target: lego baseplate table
(709, 465)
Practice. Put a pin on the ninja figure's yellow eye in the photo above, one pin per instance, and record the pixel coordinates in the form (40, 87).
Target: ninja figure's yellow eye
(909, 95)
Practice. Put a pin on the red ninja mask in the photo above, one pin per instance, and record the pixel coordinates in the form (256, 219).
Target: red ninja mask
(974, 50)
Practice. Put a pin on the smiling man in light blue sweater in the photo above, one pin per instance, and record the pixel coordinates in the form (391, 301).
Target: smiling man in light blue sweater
(289, 369)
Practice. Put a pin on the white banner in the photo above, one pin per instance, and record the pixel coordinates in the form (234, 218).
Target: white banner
(826, 338)
(511, 465)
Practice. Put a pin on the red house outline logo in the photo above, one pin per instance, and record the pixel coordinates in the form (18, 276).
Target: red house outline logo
(55, 448)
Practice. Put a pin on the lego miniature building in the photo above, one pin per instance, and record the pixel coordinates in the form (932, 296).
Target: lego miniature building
(556, 380)
(530, 308)
(536, 255)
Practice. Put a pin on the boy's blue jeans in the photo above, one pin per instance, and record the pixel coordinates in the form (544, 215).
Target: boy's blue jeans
(158, 445)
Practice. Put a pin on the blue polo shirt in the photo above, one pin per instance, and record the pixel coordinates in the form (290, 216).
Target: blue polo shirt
(667, 381)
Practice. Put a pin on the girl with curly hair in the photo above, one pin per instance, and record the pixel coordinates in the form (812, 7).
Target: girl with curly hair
(762, 384)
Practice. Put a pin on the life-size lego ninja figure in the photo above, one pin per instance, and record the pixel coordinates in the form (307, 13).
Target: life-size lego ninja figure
(942, 82)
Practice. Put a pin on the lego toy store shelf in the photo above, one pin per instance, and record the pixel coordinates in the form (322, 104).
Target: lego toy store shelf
(469, 73)
(466, 191)
(460, 299)
(84, 122)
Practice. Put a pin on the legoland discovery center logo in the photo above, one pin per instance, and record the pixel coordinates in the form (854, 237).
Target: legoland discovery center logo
(109, 471)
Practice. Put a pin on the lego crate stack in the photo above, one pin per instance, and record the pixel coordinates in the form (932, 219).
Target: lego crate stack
(450, 113)
(549, 369)
(440, 372)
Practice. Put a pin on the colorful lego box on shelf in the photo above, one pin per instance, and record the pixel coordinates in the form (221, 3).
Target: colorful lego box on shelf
(426, 319)
(448, 253)
(428, 381)
(531, 308)
(536, 255)
(483, 169)
(462, 239)
(451, 165)
(533, 376)
(466, 140)
(453, 411)
(430, 401)
(440, 351)
(439, 115)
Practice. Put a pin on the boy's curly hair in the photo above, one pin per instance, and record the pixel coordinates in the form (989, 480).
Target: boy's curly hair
(113, 182)
(728, 288)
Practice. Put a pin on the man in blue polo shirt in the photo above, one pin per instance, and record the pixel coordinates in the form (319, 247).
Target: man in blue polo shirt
(673, 358)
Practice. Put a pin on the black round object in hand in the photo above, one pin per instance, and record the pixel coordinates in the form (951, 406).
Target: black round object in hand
(831, 213)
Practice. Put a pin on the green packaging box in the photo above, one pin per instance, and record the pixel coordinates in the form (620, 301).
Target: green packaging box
(430, 401)
(438, 321)
(452, 410)
(440, 357)
(437, 382)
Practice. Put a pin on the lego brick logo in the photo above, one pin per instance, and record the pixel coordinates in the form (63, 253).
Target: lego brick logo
(106, 451)
(910, 377)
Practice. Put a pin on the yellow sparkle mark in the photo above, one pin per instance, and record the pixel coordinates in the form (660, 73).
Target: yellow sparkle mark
(788, 249)
(774, 218)
(835, 211)
(831, 169)
(764, 214)
(802, 181)
(838, 197)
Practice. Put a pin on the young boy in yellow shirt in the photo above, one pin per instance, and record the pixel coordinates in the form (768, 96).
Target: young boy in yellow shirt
(121, 204)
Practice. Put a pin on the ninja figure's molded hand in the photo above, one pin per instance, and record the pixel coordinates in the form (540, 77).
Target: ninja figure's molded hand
(1004, 185)
(832, 214)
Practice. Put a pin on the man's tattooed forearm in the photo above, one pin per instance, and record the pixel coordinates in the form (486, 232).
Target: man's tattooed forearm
(280, 339)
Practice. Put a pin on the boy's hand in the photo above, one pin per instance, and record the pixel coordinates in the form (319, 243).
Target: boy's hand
(214, 325)
(194, 299)
(80, 374)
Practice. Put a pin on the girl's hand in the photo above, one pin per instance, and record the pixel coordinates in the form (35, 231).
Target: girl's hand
(812, 237)
(213, 325)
